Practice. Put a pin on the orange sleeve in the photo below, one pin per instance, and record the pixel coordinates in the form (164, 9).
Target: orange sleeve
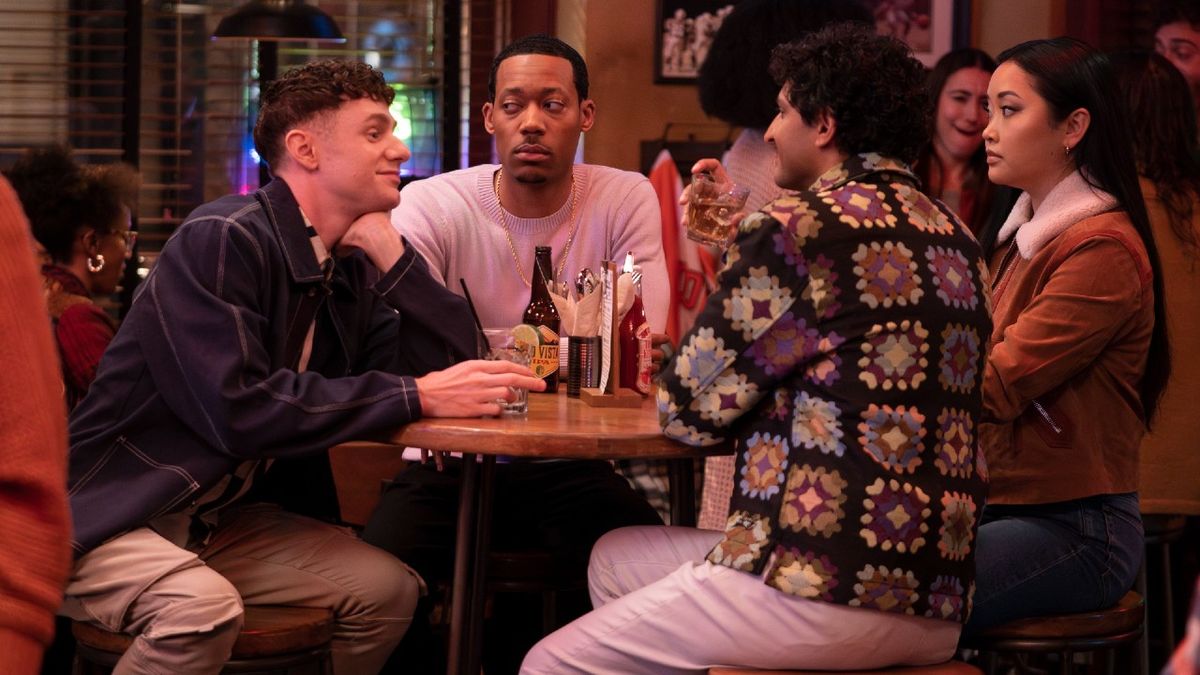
(34, 521)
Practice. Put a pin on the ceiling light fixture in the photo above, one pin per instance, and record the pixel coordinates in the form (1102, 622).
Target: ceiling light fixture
(278, 20)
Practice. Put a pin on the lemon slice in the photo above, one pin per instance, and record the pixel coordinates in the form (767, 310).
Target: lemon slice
(526, 335)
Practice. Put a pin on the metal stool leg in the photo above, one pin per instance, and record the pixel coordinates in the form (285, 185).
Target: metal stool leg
(549, 612)
(1168, 602)
(1143, 642)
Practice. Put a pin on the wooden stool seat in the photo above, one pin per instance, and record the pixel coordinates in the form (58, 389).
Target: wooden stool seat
(269, 633)
(1065, 634)
(948, 668)
(1113, 625)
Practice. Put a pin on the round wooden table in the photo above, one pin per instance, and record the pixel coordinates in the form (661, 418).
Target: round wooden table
(555, 427)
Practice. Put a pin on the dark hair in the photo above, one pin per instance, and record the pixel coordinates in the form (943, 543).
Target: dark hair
(954, 61)
(111, 187)
(1164, 135)
(869, 83)
(735, 81)
(1173, 11)
(310, 90)
(1069, 75)
(545, 45)
(950, 63)
(61, 197)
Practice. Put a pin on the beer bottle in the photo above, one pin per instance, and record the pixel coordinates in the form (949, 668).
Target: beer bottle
(634, 334)
(542, 314)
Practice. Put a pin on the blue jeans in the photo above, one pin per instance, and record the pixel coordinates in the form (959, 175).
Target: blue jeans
(1039, 559)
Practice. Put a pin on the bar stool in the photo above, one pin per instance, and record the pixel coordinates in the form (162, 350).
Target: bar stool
(1065, 634)
(273, 639)
(948, 668)
(1161, 531)
(532, 572)
(363, 471)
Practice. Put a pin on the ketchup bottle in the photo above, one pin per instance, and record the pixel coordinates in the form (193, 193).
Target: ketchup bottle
(634, 333)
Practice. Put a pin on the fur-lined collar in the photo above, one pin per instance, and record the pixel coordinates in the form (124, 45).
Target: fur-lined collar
(1069, 202)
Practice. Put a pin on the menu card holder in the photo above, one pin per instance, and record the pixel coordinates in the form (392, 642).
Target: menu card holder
(610, 394)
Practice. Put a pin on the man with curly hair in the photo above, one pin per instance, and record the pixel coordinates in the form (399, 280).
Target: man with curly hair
(841, 352)
(735, 86)
(273, 326)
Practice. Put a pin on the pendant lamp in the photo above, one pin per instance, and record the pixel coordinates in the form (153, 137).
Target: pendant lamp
(277, 20)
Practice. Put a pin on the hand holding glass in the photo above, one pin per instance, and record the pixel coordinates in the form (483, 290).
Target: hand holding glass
(713, 208)
(502, 347)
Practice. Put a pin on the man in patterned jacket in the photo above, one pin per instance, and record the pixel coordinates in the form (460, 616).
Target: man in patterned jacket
(842, 354)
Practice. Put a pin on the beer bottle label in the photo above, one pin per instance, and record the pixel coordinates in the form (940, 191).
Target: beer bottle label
(545, 357)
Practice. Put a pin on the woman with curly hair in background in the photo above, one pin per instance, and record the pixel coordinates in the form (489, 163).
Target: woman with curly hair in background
(80, 215)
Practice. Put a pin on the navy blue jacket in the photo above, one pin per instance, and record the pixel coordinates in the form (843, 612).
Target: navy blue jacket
(202, 374)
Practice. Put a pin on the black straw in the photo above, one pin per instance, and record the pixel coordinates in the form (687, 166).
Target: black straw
(474, 314)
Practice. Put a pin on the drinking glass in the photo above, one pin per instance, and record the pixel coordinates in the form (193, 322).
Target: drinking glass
(712, 209)
(502, 347)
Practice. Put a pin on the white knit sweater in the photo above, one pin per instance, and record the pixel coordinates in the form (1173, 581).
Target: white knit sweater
(454, 220)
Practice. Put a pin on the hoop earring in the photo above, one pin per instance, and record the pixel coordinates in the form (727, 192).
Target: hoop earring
(95, 263)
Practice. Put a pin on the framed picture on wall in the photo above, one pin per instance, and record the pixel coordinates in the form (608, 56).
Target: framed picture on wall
(684, 32)
(930, 27)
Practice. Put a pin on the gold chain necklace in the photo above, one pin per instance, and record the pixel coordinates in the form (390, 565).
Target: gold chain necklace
(562, 261)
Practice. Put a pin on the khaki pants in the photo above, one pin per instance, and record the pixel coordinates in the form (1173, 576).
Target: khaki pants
(185, 607)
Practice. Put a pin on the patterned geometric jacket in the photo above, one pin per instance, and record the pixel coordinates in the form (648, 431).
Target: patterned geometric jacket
(843, 353)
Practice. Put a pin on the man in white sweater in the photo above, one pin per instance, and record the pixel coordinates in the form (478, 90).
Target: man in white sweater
(481, 225)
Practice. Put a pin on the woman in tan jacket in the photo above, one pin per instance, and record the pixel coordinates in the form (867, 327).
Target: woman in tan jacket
(1164, 143)
(1068, 387)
